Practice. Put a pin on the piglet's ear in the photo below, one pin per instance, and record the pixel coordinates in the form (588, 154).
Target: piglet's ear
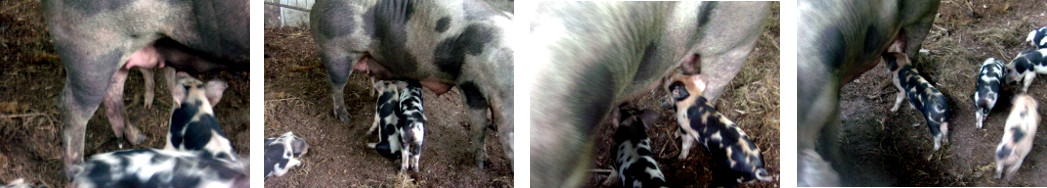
(213, 90)
(648, 117)
(699, 82)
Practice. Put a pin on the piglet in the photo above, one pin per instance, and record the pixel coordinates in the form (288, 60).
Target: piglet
(634, 163)
(1025, 66)
(193, 124)
(412, 124)
(988, 88)
(282, 153)
(20, 183)
(739, 159)
(1018, 135)
(161, 168)
(1038, 38)
(922, 96)
(386, 117)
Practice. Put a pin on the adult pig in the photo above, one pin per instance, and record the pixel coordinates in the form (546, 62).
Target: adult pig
(837, 42)
(590, 55)
(97, 39)
(439, 43)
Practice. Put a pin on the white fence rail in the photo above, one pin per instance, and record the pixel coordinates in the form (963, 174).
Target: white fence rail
(287, 13)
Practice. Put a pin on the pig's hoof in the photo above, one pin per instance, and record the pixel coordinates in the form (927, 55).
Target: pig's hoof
(480, 163)
(341, 114)
(71, 171)
(135, 137)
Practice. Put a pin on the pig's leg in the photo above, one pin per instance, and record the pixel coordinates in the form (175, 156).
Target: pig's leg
(114, 103)
(338, 70)
(414, 164)
(1013, 169)
(476, 107)
(898, 100)
(686, 145)
(177, 92)
(405, 157)
(150, 93)
(999, 168)
(374, 124)
(1029, 76)
(86, 83)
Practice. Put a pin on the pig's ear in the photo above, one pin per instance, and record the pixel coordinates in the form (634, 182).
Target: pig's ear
(699, 82)
(181, 88)
(648, 117)
(401, 84)
(299, 147)
(213, 90)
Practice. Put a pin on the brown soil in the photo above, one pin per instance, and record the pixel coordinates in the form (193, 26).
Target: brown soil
(752, 102)
(297, 99)
(32, 76)
(892, 152)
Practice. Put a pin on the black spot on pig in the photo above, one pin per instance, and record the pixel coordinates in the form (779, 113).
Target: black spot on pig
(390, 19)
(450, 53)
(386, 111)
(834, 39)
(649, 53)
(90, 8)
(443, 24)
(588, 93)
(197, 137)
(890, 60)
(1018, 134)
(274, 156)
(679, 91)
(159, 159)
(873, 39)
(1003, 152)
(474, 97)
(703, 14)
(339, 22)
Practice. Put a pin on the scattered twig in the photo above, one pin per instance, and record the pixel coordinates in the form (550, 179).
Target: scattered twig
(22, 115)
(13, 7)
(767, 34)
(286, 99)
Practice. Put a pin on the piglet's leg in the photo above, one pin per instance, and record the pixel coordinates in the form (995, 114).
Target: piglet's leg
(688, 143)
(898, 100)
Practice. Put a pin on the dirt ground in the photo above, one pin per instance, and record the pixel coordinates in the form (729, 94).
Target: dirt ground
(895, 153)
(297, 99)
(752, 102)
(32, 76)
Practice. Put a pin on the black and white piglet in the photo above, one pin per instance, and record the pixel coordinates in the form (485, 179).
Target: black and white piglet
(922, 96)
(386, 117)
(412, 124)
(1018, 135)
(988, 88)
(161, 168)
(193, 124)
(20, 183)
(282, 153)
(1025, 66)
(739, 159)
(1038, 38)
(634, 162)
